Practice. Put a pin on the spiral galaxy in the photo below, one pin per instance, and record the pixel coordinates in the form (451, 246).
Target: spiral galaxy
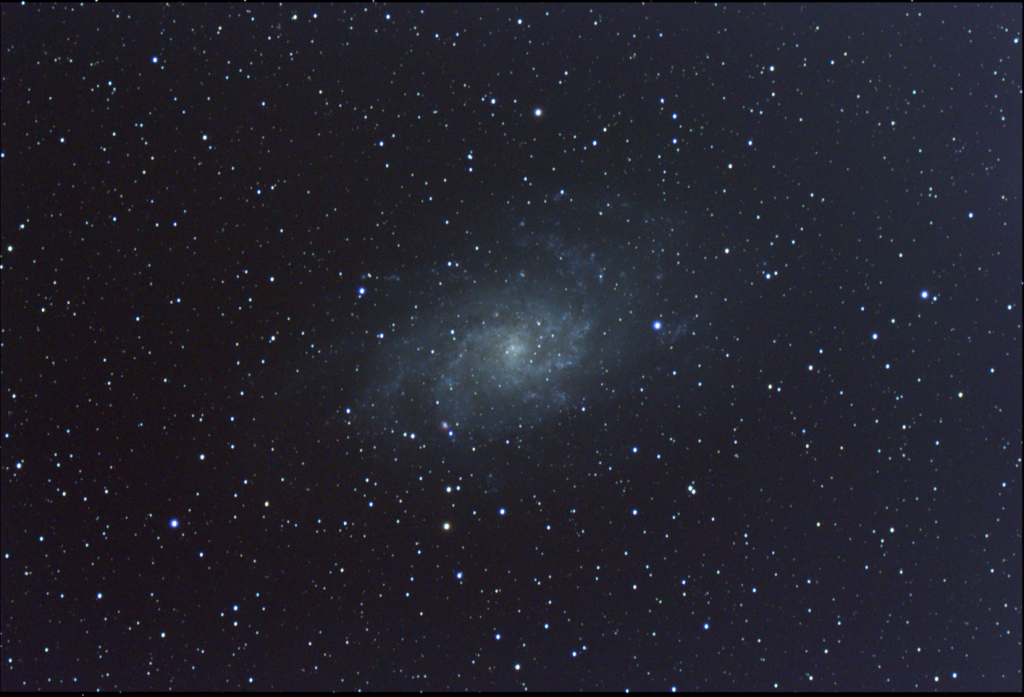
(543, 316)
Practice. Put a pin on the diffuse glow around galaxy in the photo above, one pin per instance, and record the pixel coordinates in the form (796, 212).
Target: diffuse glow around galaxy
(544, 315)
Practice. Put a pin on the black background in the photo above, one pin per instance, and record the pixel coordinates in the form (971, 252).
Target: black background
(819, 489)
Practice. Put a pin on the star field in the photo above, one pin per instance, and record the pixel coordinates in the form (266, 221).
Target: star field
(510, 348)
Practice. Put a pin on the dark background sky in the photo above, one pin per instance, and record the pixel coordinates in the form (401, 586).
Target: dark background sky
(817, 487)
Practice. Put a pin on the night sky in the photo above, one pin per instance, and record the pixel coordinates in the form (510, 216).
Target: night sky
(511, 348)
